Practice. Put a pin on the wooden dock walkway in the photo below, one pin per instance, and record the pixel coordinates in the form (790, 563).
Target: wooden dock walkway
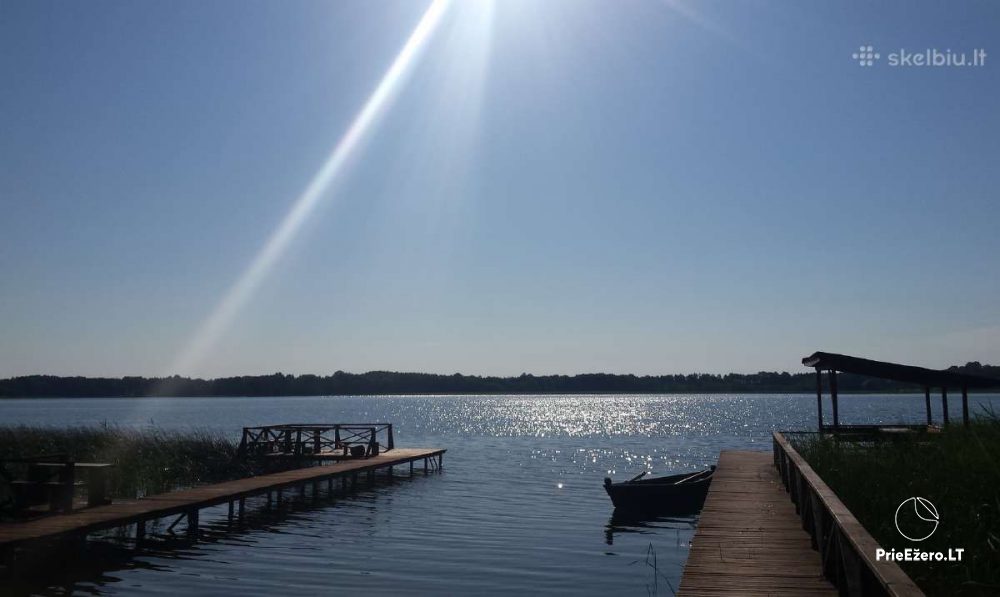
(190, 501)
(749, 540)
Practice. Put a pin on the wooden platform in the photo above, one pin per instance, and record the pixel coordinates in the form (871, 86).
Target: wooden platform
(749, 539)
(191, 500)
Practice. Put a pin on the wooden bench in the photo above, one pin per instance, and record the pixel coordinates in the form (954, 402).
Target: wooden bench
(53, 481)
(96, 474)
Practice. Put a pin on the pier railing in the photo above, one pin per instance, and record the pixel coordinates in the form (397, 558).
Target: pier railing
(846, 549)
(320, 441)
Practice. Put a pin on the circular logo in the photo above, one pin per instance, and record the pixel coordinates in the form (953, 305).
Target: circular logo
(916, 518)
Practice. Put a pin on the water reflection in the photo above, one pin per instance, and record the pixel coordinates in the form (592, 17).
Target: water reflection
(627, 521)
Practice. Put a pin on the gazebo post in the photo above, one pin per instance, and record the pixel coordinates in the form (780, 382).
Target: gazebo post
(819, 398)
(944, 404)
(833, 397)
(965, 406)
(927, 404)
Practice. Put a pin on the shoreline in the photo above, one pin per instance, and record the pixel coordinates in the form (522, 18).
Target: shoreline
(496, 394)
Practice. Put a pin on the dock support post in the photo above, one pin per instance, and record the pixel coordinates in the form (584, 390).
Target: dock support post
(833, 396)
(927, 404)
(343, 483)
(232, 506)
(329, 485)
(140, 533)
(411, 468)
(390, 471)
(8, 560)
(440, 461)
(242, 507)
(965, 406)
(269, 500)
(192, 526)
(819, 399)
(944, 404)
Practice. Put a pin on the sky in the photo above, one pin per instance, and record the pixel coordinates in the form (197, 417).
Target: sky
(563, 186)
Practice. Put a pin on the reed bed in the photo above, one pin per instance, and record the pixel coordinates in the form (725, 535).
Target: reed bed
(958, 470)
(147, 461)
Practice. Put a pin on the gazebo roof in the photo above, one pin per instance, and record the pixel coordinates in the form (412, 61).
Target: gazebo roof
(828, 361)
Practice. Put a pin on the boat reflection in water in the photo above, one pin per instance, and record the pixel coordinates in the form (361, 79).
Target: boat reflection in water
(629, 522)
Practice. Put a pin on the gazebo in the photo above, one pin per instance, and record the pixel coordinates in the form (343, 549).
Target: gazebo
(927, 378)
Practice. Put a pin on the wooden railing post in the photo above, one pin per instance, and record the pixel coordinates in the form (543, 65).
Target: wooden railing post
(819, 398)
(944, 404)
(927, 404)
(834, 398)
(965, 406)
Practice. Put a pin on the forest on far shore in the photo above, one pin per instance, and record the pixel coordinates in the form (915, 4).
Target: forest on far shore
(388, 382)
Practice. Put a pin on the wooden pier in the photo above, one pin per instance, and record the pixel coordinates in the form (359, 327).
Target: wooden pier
(750, 540)
(189, 502)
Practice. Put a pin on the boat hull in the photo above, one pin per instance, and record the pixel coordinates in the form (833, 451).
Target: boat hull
(667, 495)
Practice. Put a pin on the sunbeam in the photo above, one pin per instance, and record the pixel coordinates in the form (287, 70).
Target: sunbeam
(243, 289)
(680, 7)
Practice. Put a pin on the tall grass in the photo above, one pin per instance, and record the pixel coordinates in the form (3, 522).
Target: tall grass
(147, 461)
(958, 470)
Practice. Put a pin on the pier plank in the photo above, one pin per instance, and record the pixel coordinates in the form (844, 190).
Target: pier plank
(749, 539)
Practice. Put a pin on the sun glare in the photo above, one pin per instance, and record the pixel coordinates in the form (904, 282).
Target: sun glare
(318, 188)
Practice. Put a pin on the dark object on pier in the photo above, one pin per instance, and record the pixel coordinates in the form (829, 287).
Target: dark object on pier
(316, 441)
(676, 494)
(927, 378)
(50, 481)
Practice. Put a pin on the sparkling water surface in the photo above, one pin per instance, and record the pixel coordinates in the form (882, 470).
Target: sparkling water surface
(518, 507)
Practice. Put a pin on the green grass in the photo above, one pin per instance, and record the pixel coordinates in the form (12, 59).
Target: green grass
(957, 470)
(146, 461)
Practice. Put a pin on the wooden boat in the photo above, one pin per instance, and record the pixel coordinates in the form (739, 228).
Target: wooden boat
(684, 493)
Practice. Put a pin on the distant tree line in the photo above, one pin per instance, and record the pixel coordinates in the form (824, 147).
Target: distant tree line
(388, 382)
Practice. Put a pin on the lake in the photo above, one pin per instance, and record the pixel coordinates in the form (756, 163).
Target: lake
(518, 507)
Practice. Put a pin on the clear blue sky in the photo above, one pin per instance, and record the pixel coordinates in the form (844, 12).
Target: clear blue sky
(554, 187)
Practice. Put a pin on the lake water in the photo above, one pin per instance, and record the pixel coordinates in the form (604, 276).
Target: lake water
(518, 507)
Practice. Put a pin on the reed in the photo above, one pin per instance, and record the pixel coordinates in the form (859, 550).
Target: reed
(147, 461)
(958, 470)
